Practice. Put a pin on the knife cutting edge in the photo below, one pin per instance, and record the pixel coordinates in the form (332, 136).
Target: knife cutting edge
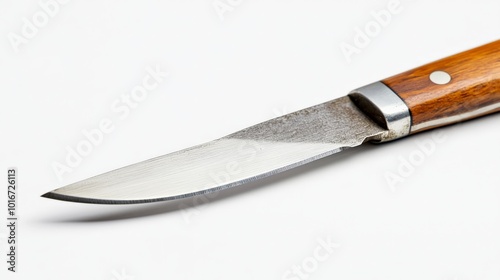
(450, 90)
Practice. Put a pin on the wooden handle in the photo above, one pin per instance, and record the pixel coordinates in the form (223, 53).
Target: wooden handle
(451, 90)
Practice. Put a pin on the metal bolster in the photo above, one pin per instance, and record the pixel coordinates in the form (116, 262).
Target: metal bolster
(385, 108)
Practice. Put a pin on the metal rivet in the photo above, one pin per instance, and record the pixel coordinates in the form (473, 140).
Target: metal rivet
(440, 77)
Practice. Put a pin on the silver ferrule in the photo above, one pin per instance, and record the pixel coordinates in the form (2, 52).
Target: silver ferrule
(385, 108)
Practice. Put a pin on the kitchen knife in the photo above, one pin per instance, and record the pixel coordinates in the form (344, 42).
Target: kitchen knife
(450, 90)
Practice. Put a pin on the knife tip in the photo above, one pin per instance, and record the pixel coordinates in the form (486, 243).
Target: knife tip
(70, 198)
(48, 195)
(56, 196)
(61, 197)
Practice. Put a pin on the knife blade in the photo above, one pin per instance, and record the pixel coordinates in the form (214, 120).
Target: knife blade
(450, 90)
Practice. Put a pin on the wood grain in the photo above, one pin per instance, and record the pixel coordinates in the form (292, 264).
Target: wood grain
(474, 89)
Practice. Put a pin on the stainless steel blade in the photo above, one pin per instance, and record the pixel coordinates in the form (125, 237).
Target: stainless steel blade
(255, 152)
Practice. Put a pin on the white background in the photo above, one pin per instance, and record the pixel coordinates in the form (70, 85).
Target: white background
(264, 59)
